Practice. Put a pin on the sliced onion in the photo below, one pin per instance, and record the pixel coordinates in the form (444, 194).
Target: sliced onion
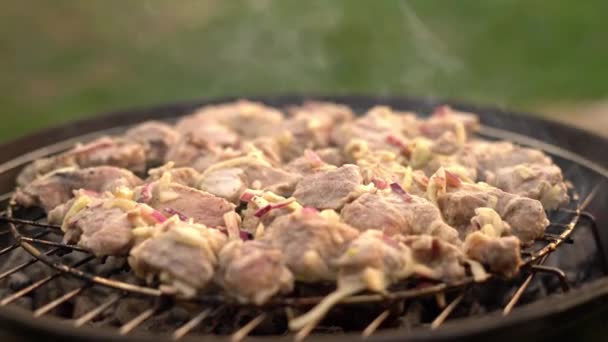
(172, 211)
(452, 179)
(283, 204)
(397, 142)
(380, 183)
(396, 188)
(146, 193)
(263, 211)
(158, 216)
(247, 196)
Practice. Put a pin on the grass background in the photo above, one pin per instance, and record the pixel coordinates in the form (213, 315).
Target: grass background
(63, 59)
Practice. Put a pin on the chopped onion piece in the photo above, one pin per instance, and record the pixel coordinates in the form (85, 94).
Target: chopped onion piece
(158, 216)
(263, 211)
(397, 142)
(396, 188)
(172, 211)
(380, 183)
(247, 196)
(283, 204)
(452, 179)
(146, 193)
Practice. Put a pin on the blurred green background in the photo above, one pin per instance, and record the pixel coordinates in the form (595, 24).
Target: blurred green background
(67, 59)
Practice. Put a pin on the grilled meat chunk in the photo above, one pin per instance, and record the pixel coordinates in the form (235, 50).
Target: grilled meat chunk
(330, 189)
(172, 198)
(491, 246)
(372, 261)
(492, 156)
(253, 271)
(58, 187)
(107, 151)
(102, 224)
(458, 202)
(183, 255)
(434, 258)
(394, 213)
(183, 175)
(541, 182)
(263, 207)
(245, 118)
(310, 243)
(445, 119)
(156, 138)
(231, 177)
(198, 153)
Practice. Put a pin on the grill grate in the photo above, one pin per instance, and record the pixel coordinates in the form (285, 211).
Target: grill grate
(32, 234)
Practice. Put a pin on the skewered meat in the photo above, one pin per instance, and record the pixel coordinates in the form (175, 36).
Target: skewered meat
(434, 258)
(103, 151)
(263, 207)
(183, 255)
(102, 224)
(198, 152)
(310, 127)
(331, 156)
(231, 177)
(183, 175)
(379, 129)
(310, 243)
(58, 186)
(395, 213)
(253, 272)
(308, 164)
(372, 261)
(172, 198)
(245, 118)
(445, 119)
(458, 200)
(156, 137)
(492, 156)
(490, 246)
(541, 182)
(330, 189)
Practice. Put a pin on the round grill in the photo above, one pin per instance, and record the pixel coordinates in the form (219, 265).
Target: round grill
(215, 314)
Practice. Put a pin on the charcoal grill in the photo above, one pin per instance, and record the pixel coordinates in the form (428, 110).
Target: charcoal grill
(559, 281)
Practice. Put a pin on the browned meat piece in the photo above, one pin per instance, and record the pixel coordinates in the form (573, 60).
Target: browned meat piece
(310, 243)
(459, 200)
(58, 186)
(263, 207)
(183, 175)
(372, 261)
(308, 164)
(462, 163)
(103, 151)
(156, 137)
(103, 224)
(330, 189)
(434, 258)
(247, 119)
(501, 255)
(230, 178)
(445, 119)
(380, 129)
(182, 255)
(310, 127)
(492, 156)
(172, 198)
(490, 245)
(198, 153)
(253, 272)
(337, 113)
(395, 213)
(541, 182)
